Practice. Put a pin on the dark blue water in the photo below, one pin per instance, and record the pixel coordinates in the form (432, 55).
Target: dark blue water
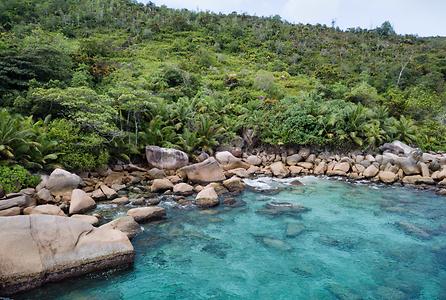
(355, 242)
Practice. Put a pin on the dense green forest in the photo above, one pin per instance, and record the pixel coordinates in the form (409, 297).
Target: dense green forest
(86, 82)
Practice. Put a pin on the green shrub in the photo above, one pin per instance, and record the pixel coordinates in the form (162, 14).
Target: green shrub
(15, 178)
(78, 151)
(24, 141)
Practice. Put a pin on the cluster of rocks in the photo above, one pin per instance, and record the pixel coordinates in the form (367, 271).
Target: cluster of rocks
(61, 238)
(398, 163)
(63, 199)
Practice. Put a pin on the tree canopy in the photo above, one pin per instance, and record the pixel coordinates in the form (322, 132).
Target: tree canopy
(89, 81)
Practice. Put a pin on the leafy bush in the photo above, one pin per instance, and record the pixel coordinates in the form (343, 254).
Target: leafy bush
(365, 94)
(82, 105)
(24, 141)
(118, 76)
(77, 151)
(15, 178)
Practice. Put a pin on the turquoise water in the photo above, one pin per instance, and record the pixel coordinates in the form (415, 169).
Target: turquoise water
(353, 241)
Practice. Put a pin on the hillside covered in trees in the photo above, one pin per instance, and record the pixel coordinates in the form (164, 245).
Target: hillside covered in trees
(86, 82)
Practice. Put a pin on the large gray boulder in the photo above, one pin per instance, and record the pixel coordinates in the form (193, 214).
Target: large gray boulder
(397, 147)
(208, 197)
(234, 184)
(37, 249)
(321, 168)
(86, 218)
(165, 158)
(13, 211)
(44, 196)
(204, 172)
(229, 161)
(80, 202)
(254, 160)
(292, 160)
(279, 170)
(61, 181)
(225, 157)
(387, 177)
(160, 185)
(183, 189)
(145, 214)
(409, 164)
(126, 224)
(370, 171)
(21, 201)
(46, 209)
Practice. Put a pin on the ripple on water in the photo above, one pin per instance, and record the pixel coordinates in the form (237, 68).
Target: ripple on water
(353, 241)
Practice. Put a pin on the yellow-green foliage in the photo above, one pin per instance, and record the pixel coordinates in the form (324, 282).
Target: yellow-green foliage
(118, 75)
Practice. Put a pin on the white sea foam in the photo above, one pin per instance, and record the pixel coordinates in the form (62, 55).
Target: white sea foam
(270, 183)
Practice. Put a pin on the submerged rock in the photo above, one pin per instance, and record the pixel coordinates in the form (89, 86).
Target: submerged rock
(276, 244)
(38, 249)
(343, 243)
(412, 229)
(387, 293)
(294, 229)
(216, 249)
(296, 182)
(307, 269)
(341, 292)
(283, 208)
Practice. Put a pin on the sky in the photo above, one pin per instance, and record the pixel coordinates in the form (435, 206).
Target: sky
(421, 17)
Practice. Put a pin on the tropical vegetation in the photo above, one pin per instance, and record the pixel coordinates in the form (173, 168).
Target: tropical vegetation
(84, 83)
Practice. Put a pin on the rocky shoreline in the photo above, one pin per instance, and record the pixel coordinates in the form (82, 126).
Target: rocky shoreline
(63, 200)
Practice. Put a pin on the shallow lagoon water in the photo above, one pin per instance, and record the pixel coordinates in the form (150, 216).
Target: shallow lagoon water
(357, 241)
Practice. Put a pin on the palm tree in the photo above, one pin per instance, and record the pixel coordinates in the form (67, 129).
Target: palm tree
(189, 141)
(405, 130)
(356, 124)
(374, 133)
(158, 132)
(208, 132)
(14, 138)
